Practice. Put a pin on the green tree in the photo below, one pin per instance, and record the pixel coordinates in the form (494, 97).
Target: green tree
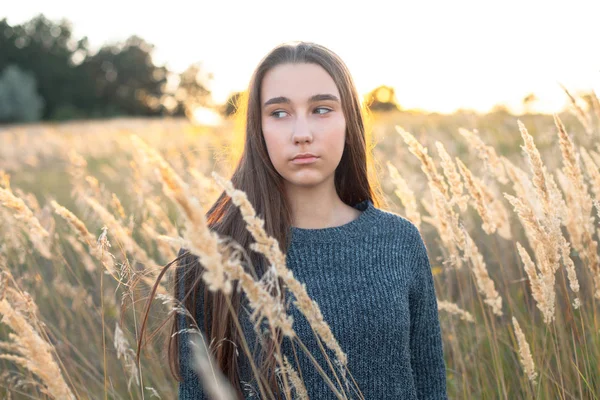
(19, 100)
(124, 79)
(48, 51)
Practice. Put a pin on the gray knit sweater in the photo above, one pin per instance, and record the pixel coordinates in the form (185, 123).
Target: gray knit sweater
(372, 281)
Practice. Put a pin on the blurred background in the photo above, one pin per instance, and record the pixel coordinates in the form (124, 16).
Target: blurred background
(61, 61)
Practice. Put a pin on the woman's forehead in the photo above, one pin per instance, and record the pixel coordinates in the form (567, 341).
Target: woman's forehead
(297, 82)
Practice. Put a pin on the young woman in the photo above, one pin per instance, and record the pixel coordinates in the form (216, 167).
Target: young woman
(304, 169)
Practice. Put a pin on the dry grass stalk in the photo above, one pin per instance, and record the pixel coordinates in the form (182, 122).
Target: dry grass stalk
(596, 107)
(165, 249)
(541, 240)
(593, 172)
(446, 219)
(301, 393)
(565, 253)
(32, 352)
(570, 157)
(582, 204)
(85, 236)
(485, 284)
(499, 213)
(118, 207)
(489, 224)
(37, 234)
(405, 194)
(427, 164)
(221, 270)
(547, 193)
(446, 222)
(546, 255)
(520, 181)
(77, 224)
(486, 153)
(558, 203)
(456, 186)
(524, 352)
(582, 116)
(572, 221)
(158, 213)
(125, 352)
(263, 304)
(12, 235)
(270, 248)
(455, 310)
(202, 241)
(94, 186)
(524, 191)
(546, 231)
(129, 245)
(85, 258)
(121, 234)
(30, 201)
(210, 189)
(216, 385)
(542, 285)
(538, 170)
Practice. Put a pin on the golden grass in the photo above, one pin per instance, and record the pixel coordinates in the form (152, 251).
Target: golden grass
(26, 346)
(524, 352)
(456, 310)
(515, 323)
(270, 248)
(405, 194)
(38, 235)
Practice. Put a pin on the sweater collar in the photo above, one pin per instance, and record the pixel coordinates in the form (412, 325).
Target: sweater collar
(351, 229)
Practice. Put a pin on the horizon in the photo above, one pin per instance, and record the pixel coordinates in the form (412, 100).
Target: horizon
(485, 61)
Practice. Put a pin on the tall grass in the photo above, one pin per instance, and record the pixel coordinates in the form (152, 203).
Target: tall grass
(92, 212)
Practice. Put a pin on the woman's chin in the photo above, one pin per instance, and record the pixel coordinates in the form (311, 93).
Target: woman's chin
(306, 181)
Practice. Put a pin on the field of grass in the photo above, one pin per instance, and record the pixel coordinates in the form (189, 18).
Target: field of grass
(509, 209)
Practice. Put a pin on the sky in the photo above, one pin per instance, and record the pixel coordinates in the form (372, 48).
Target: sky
(438, 55)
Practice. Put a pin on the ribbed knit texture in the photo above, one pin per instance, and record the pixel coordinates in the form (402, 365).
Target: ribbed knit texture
(373, 283)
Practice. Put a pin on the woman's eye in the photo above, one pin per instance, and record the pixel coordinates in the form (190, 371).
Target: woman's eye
(275, 113)
(325, 110)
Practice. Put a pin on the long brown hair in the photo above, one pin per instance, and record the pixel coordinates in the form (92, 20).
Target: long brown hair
(255, 175)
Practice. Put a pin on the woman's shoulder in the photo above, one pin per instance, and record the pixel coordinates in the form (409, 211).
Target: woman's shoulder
(397, 224)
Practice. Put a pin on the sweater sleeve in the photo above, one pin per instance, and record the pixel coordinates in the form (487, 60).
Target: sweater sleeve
(190, 387)
(427, 357)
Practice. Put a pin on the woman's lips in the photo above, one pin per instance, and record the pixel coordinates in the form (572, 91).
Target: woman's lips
(304, 160)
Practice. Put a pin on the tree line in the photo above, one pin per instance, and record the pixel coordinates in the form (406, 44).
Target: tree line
(48, 74)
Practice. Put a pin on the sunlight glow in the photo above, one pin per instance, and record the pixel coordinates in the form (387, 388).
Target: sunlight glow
(206, 117)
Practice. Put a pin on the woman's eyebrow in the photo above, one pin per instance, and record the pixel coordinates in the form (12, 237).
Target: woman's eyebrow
(316, 97)
(277, 100)
(321, 97)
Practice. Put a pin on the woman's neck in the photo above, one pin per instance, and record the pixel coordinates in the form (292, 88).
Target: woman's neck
(318, 207)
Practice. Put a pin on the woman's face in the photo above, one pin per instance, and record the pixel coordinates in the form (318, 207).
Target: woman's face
(302, 113)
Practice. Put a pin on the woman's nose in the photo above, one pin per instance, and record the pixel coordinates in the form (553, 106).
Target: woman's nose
(302, 132)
